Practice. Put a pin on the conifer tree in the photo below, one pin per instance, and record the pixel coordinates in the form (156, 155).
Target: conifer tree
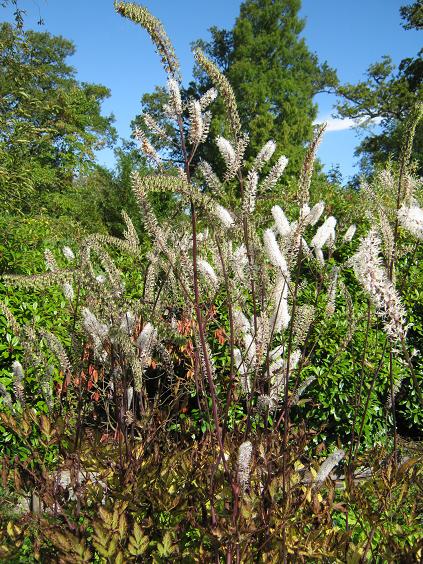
(275, 76)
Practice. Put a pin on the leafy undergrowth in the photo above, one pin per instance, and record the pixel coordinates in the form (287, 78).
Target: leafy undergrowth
(155, 506)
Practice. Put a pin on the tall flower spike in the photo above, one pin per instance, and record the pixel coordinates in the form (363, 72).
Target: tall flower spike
(4, 394)
(281, 221)
(208, 271)
(130, 395)
(145, 342)
(210, 177)
(264, 155)
(278, 373)
(386, 179)
(319, 256)
(274, 253)
(50, 261)
(68, 291)
(244, 464)
(223, 216)
(388, 236)
(302, 321)
(146, 338)
(130, 233)
(330, 306)
(175, 96)
(276, 353)
(46, 385)
(275, 173)
(146, 147)
(411, 219)
(373, 277)
(154, 127)
(18, 381)
(227, 152)
(314, 215)
(225, 89)
(207, 117)
(411, 185)
(308, 166)
(97, 330)
(154, 28)
(262, 336)
(266, 403)
(242, 325)
(56, 347)
(280, 318)
(196, 129)
(127, 322)
(349, 234)
(68, 253)
(250, 192)
(304, 211)
(207, 98)
(10, 318)
(325, 232)
(240, 262)
(328, 465)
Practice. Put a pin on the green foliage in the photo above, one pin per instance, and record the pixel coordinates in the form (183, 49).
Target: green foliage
(50, 123)
(413, 15)
(389, 95)
(23, 253)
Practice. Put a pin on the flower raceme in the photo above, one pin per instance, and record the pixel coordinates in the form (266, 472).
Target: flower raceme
(349, 234)
(68, 253)
(373, 277)
(411, 219)
(244, 464)
(274, 253)
(324, 233)
(224, 216)
(281, 221)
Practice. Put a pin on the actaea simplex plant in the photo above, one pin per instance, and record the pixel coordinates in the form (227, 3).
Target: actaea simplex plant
(214, 255)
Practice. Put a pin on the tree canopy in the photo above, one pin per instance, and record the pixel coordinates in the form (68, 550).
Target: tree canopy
(388, 94)
(50, 123)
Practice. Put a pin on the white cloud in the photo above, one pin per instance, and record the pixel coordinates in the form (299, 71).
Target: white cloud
(339, 124)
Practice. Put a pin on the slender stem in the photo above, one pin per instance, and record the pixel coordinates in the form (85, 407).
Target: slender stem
(360, 387)
(376, 374)
(412, 372)
(231, 338)
(391, 383)
(201, 325)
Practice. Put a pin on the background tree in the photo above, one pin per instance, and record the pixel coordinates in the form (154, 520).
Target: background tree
(388, 94)
(18, 12)
(412, 15)
(50, 123)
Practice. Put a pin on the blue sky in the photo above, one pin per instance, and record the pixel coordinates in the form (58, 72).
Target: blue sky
(348, 34)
